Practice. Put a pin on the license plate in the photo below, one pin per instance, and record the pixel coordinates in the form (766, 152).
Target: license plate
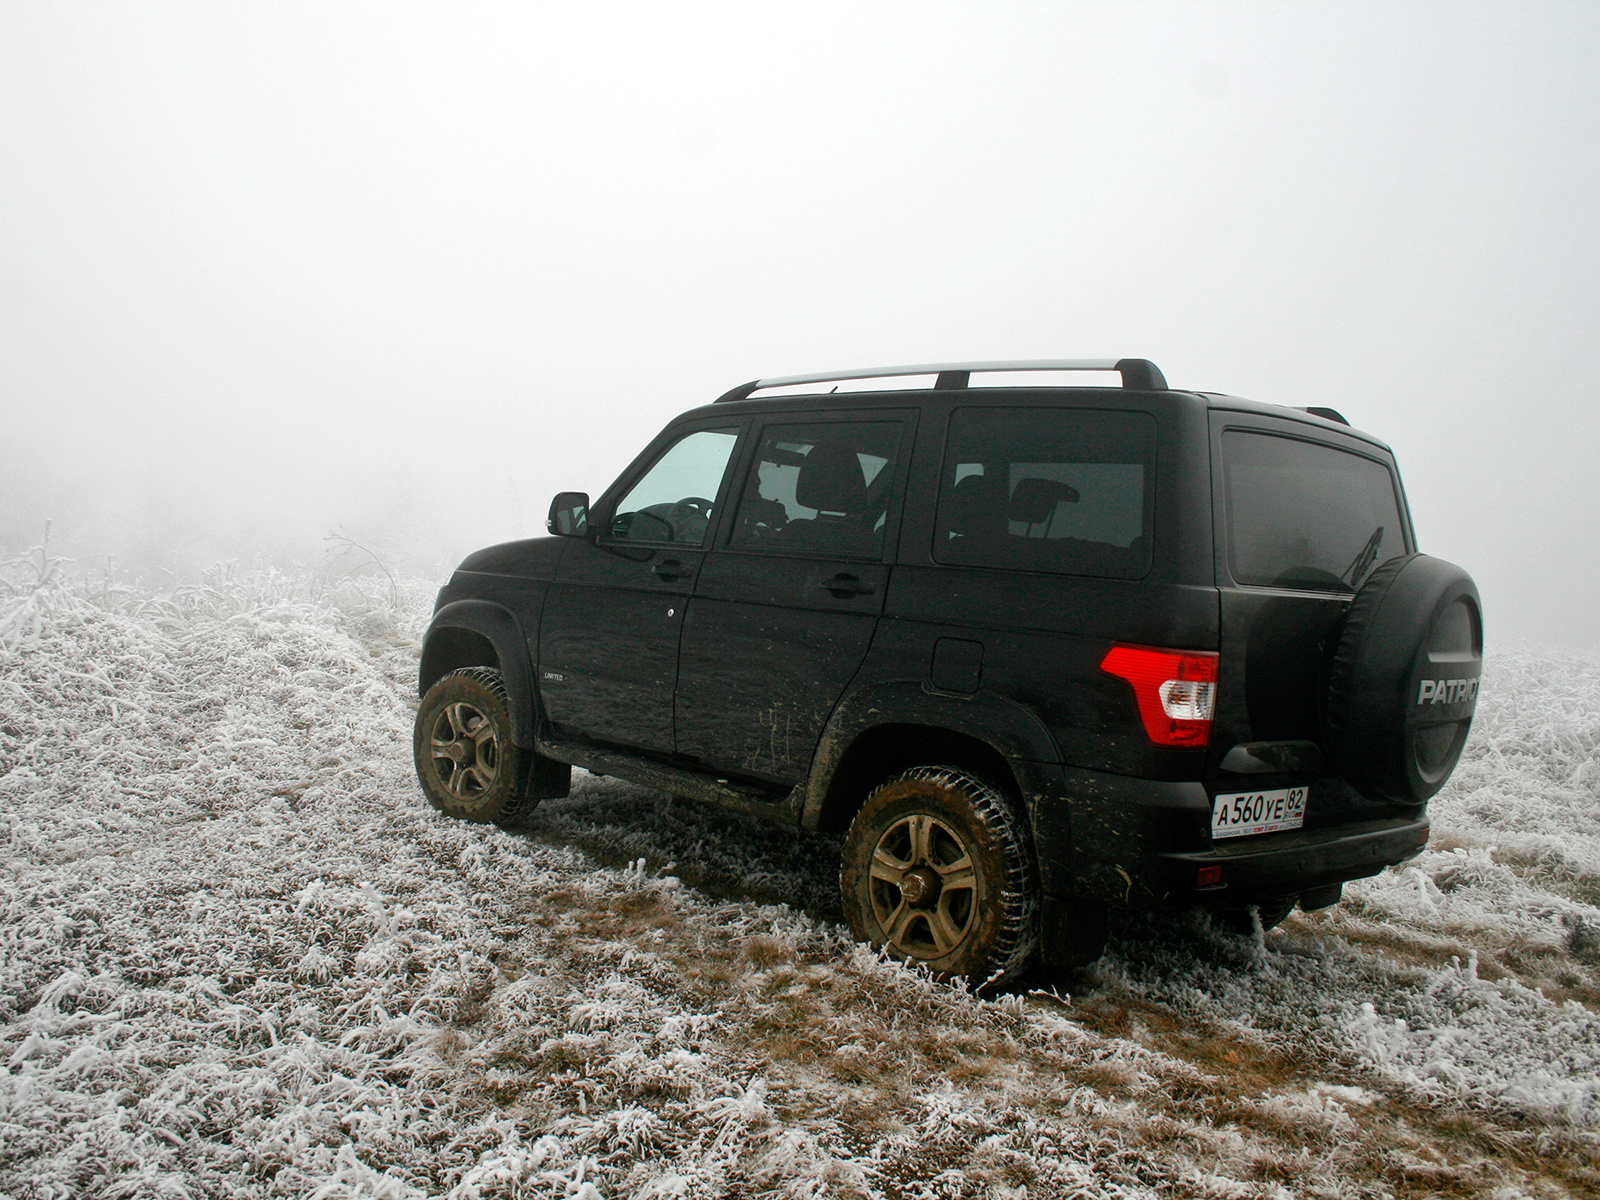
(1241, 813)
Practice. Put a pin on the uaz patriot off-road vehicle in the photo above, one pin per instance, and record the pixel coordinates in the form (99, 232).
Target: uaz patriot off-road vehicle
(1036, 650)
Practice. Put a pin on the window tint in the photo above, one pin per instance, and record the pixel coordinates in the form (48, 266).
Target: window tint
(820, 489)
(1304, 515)
(1048, 489)
(674, 501)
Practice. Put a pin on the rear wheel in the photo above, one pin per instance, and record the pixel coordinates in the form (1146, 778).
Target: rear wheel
(466, 762)
(938, 868)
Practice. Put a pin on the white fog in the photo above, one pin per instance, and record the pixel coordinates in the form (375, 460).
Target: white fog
(404, 271)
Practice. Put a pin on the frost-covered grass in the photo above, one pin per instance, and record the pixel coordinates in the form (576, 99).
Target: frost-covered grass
(240, 956)
(1513, 875)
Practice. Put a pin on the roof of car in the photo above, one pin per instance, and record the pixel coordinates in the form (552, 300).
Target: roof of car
(1138, 376)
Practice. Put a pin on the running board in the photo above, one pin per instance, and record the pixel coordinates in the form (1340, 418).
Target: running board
(677, 781)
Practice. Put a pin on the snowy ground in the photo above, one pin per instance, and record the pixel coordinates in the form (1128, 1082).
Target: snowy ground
(240, 956)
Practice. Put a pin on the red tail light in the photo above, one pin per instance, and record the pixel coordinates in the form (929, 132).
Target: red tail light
(1176, 691)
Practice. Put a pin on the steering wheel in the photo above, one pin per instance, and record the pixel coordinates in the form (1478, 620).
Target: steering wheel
(689, 508)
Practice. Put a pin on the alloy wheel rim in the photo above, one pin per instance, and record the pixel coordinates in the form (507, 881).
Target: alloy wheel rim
(466, 753)
(922, 887)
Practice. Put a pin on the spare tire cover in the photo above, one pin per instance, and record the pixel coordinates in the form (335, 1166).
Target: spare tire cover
(1404, 683)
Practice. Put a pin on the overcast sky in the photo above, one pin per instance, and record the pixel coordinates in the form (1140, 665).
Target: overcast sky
(406, 270)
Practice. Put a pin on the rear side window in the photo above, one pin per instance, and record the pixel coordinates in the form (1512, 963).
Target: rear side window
(820, 489)
(1305, 515)
(1042, 489)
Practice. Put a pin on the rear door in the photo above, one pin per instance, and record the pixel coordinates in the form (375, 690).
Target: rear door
(1303, 520)
(783, 612)
(1037, 549)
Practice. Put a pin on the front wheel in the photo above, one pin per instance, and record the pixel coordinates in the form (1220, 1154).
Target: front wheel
(466, 762)
(938, 868)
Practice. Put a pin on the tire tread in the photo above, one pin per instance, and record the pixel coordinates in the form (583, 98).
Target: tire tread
(1018, 936)
(518, 803)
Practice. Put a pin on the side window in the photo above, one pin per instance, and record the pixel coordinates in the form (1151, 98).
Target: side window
(1048, 489)
(1305, 515)
(675, 500)
(820, 489)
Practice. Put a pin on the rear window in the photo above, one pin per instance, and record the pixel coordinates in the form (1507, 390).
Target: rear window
(1305, 515)
(1040, 489)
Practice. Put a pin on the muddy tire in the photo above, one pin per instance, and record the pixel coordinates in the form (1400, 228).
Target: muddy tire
(938, 868)
(466, 762)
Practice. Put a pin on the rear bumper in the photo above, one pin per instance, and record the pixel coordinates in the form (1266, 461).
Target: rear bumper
(1284, 864)
(1143, 843)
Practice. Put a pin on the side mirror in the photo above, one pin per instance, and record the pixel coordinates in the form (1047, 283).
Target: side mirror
(569, 515)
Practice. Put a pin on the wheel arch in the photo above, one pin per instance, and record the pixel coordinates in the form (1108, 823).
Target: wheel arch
(476, 633)
(880, 732)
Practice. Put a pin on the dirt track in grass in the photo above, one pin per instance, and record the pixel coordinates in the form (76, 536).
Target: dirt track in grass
(240, 956)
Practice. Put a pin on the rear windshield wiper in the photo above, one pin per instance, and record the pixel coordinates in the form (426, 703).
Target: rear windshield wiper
(1362, 563)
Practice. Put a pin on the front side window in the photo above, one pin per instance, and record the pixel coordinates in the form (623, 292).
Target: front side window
(676, 499)
(1045, 489)
(1305, 515)
(820, 489)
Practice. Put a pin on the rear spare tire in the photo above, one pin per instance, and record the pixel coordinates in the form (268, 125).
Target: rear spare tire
(1404, 683)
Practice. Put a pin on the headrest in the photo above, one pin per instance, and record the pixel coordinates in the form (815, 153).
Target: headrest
(1035, 499)
(977, 507)
(831, 481)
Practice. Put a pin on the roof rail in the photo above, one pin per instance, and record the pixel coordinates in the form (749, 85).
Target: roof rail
(1138, 374)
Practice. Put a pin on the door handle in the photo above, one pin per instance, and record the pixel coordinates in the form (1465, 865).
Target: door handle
(844, 586)
(671, 569)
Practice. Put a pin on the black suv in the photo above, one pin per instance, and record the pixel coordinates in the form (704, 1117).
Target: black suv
(1038, 650)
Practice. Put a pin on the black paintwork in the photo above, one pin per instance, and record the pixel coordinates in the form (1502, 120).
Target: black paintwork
(608, 643)
(743, 678)
(768, 650)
